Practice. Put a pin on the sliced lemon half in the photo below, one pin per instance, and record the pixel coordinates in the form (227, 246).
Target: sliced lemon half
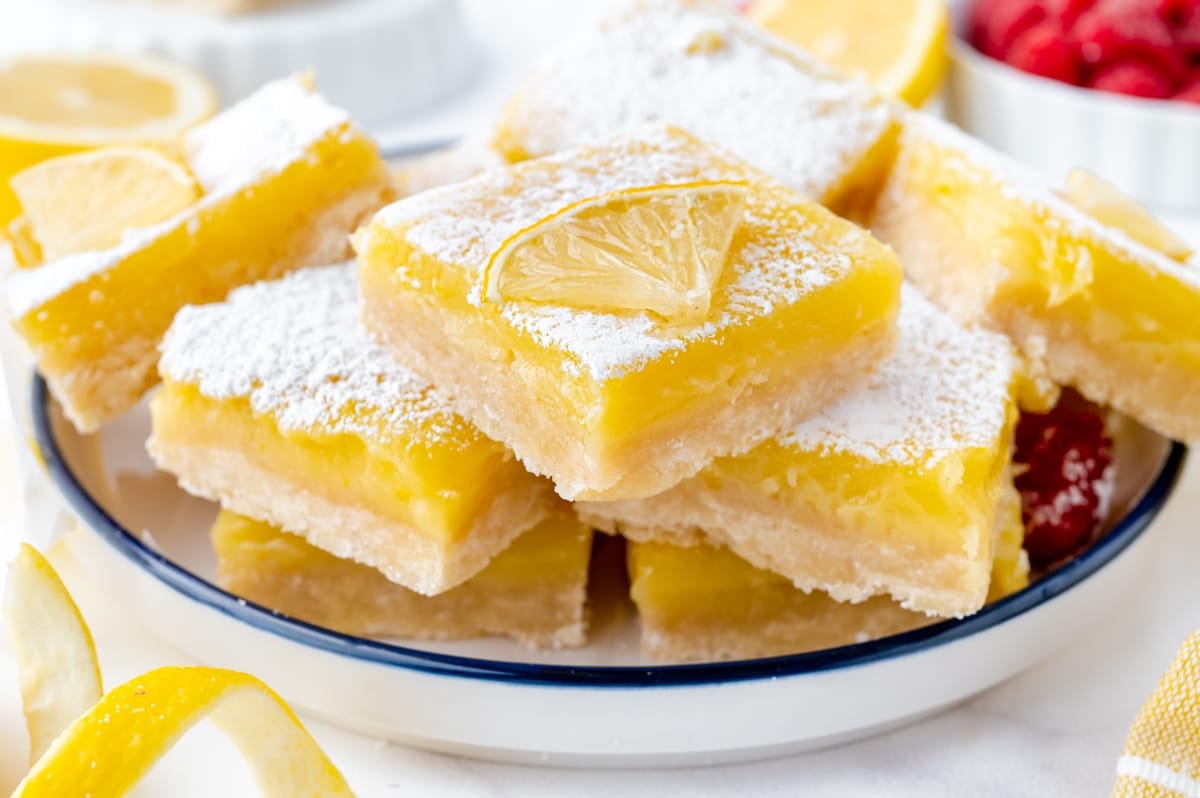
(55, 103)
(1105, 203)
(89, 200)
(659, 249)
(105, 752)
(56, 658)
(898, 45)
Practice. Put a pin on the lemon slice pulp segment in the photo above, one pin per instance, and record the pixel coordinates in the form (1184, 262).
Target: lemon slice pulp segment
(56, 658)
(109, 749)
(89, 200)
(1105, 203)
(659, 249)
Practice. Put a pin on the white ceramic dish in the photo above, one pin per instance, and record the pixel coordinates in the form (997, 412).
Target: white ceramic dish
(379, 59)
(1149, 148)
(147, 542)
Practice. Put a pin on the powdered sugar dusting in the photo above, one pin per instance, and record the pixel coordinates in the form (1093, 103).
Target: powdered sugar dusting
(693, 64)
(776, 260)
(263, 133)
(944, 389)
(258, 137)
(1020, 183)
(298, 351)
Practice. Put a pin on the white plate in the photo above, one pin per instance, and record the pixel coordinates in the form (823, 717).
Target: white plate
(600, 705)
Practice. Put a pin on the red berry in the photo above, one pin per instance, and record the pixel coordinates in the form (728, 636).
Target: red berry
(1117, 30)
(1172, 11)
(1187, 34)
(1189, 93)
(1065, 479)
(1068, 11)
(1134, 78)
(1046, 50)
(995, 24)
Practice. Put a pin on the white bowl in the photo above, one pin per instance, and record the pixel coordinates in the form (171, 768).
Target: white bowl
(1149, 148)
(378, 59)
(146, 542)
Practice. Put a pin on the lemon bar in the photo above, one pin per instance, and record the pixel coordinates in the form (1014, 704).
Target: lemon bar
(278, 405)
(894, 489)
(615, 403)
(993, 243)
(284, 178)
(704, 603)
(534, 591)
(694, 64)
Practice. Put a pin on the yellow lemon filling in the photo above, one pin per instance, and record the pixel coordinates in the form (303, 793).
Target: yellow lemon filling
(439, 483)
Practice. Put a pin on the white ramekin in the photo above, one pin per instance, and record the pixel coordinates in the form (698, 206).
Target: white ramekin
(1149, 148)
(379, 59)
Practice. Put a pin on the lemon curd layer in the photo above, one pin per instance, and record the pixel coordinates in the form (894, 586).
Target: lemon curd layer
(620, 404)
(534, 591)
(277, 404)
(694, 64)
(703, 602)
(894, 489)
(989, 240)
(285, 177)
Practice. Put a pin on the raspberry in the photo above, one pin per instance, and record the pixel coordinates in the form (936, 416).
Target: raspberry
(995, 24)
(1117, 30)
(1133, 78)
(1172, 11)
(1187, 34)
(1066, 481)
(1189, 93)
(1068, 11)
(1045, 50)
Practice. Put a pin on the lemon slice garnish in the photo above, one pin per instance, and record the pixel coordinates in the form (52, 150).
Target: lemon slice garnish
(658, 249)
(898, 45)
(1105, 203)
(89, 200)
(53, 104)
(56, 659)
(106, 751)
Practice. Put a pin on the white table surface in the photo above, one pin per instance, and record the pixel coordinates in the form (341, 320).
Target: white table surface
(1054, 731)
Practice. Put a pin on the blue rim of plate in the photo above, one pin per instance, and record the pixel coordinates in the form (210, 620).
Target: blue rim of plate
(1126, 531)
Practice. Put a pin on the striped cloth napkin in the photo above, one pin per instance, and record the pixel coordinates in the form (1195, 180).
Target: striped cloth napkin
(1162, 753)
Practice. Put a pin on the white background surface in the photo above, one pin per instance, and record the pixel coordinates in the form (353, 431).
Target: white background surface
(1054, 731)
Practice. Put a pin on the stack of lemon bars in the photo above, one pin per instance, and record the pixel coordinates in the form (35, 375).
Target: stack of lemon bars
(641, 303)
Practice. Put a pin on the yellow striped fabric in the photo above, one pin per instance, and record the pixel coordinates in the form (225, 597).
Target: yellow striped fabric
(1162, 754)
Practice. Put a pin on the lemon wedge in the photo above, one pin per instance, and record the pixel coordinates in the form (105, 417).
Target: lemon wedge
(1105, 203)
(88, 200)
(898, 45)
(106, 751)
(53, 104)
(659, 249)
(56, 659)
